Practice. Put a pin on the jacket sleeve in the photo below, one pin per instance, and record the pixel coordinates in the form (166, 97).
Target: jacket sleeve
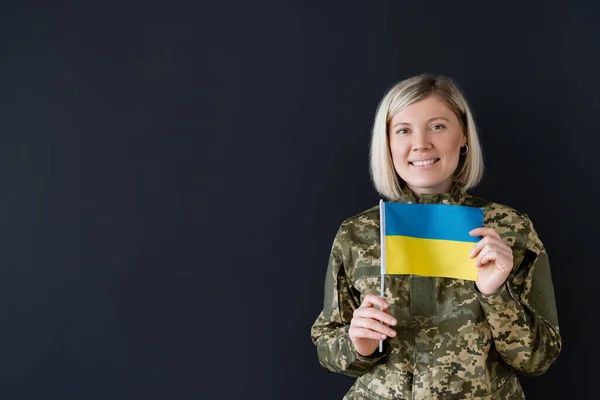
(330, 331)
(522, 313)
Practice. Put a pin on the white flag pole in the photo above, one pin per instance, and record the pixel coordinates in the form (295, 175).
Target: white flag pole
(382, 255)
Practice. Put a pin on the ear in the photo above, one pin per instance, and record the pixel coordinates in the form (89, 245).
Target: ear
(463, 140)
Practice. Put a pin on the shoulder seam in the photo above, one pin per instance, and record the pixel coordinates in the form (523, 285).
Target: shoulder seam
(361, 213)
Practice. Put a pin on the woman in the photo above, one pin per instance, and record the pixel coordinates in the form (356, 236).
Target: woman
(443, 338)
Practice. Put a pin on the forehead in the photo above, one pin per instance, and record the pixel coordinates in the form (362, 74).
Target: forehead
(422, 110)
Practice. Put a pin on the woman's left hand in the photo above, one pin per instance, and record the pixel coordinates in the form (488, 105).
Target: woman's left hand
(494, 260)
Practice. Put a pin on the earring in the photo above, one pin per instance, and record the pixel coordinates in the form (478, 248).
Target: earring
(466, 150)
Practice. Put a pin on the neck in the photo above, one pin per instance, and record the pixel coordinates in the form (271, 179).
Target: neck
(444, 187)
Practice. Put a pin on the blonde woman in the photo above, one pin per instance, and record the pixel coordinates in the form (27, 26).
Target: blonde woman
(443, 338)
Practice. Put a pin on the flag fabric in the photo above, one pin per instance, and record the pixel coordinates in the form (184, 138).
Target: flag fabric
(429, 239)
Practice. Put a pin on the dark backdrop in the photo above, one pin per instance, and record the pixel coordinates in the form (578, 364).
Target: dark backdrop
(172, 176)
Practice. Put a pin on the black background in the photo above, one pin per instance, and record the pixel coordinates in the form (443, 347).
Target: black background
(173, 175)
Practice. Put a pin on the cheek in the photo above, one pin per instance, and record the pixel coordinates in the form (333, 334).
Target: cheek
(399, 152)
(451, 149)
(452, 157)
(454, 152)
(398, 157)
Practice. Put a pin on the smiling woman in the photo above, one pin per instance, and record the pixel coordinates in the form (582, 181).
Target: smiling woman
(443, 337)
(421, 120)
(425, 150)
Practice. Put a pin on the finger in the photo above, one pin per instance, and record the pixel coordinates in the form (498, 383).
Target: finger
(362, 333)
(373, 325)
(494, 253)
(485, 232)
(498, 241)
(483, 257)
(487, 257)
(482, 231)
(503, 250)
(487, 241)
(479, 246)
(375, 314)
(499, 246)
(501, 259)
(371, 300)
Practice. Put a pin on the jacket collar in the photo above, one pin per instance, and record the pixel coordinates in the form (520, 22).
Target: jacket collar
(456, 196)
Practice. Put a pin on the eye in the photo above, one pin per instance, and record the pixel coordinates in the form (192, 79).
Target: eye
(402, 131)
(438, 127)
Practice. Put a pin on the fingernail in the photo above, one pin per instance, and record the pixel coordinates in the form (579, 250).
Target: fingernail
(393, 322)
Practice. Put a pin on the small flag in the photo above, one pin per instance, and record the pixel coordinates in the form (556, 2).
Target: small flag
(429, 239)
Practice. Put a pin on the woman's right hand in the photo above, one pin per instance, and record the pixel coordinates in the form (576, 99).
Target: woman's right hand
(370, 325)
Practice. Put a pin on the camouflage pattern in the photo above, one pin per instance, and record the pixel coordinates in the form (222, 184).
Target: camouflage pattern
(452, 341)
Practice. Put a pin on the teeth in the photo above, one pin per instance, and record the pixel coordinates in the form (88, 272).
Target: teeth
(423, 163)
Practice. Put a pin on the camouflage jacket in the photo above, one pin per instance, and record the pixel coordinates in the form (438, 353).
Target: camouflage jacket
(452, 341)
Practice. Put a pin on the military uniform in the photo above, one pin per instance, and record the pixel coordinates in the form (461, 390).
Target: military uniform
(452, 341)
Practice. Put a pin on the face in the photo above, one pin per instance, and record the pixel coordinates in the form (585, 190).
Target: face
(425, 140)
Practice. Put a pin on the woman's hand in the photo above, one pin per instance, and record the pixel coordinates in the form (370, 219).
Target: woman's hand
(366, 327)
(494, 260)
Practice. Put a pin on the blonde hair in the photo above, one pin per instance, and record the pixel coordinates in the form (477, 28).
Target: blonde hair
(409, 91)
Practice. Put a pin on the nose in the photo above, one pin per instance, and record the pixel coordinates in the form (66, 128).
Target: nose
(421, 141)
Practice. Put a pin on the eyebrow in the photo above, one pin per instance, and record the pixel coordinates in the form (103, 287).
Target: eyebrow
(429, 120)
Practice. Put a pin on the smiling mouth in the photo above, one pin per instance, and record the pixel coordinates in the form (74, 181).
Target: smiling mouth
(424, 163)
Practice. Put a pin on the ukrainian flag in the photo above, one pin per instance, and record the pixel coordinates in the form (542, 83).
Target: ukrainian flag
(429, 239)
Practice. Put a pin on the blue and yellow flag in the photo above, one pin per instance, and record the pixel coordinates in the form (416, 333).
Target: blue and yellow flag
(429, 239)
